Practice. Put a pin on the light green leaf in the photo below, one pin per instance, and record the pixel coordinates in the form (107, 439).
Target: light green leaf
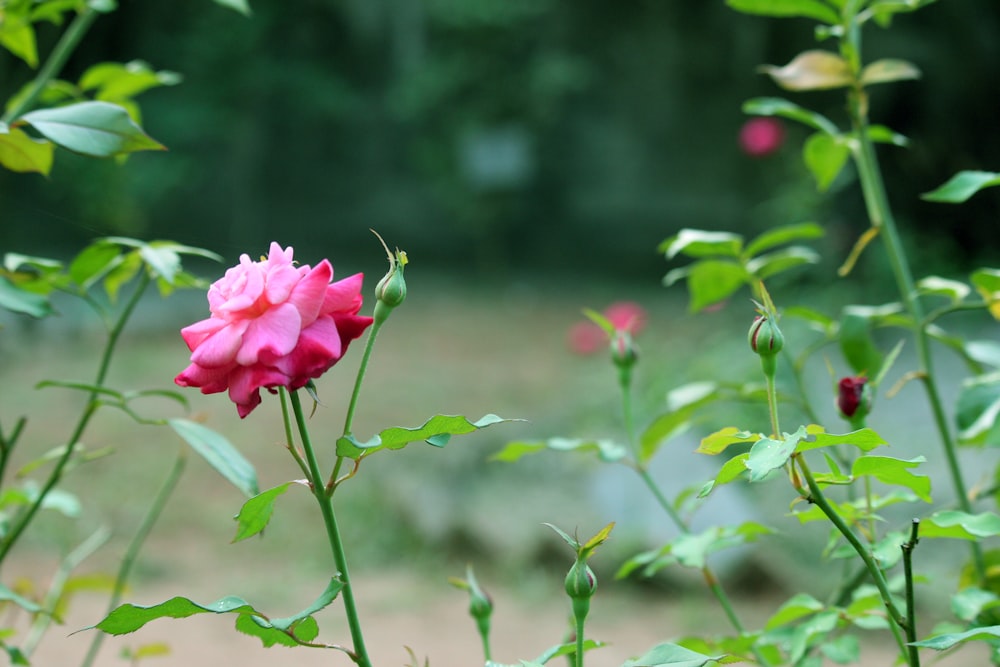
(219, 453)
(121, 273)
(115, 82)
(960, 525)
(895, 472)
(98, 129)
(825, 155)
(563, 649)
(692, 549)
(18, 36)
(677, 656)
(864, 439)
(93, 262)
(776, 106)
(811, 70)
(941, 642)
(682, 403)
(771, 264)
(883, 135)
(606, 450)
(962, 186)
(787, 8)
(768, 454)
(978, 410)
(781, 235)
(987, 283)
(954, 290)
(712, 281)
(21, 153)
(717, 442)
(436, 431)
(887, 70)
(7, 595)
(798, 606)
(15, 299)
(256, 513)
(698, 243)
(731, 470)
(969, 603)
(843, 650)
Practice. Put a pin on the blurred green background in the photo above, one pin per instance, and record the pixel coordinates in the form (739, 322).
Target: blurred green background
(498, 135)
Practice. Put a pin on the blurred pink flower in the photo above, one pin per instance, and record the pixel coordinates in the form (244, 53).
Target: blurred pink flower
(273, 324)
(761, 136)
(587, 337)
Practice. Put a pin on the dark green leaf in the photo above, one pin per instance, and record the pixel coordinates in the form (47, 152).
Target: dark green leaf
(219, 453)
(698, 243)
(93, 262)
(978, 410)
(711, 281)
(798, 606)
(776, 106)
(436, 431)
(941, 642)
(787, 8)
(781, 235)
(98, 129)
(962, 185)
(779, 261)
(15, 299)
(856, 343)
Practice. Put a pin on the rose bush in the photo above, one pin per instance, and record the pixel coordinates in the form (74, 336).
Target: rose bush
(273, 324)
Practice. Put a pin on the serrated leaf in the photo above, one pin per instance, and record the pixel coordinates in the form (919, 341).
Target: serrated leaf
(825, 155)
(887, 70)
(779, 261)
(811, 70)
(711, 281)
(864, 439)
(717, 442)
(960, 525)
(15, 299)
(941, 642)
(21, 153)
(219, 453)
(699, 243)
(776, 106)
(98, 129)
(894, 472)
(677, 656)
(769, 454)
(787, 8)
(962, 186)
(256, 513)
(436, 431)
(781, 235)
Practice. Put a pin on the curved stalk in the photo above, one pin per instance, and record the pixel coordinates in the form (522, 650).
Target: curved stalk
(355, 394)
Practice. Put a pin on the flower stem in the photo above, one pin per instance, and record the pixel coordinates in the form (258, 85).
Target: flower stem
(333, 533)
(132, 551)
(92, 404)
(911, 622)
(578, 655)
(57, 58)
(362, 369)
(896, 620)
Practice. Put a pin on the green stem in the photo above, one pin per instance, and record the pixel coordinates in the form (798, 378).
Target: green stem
(896, 620)
(7, 444)
(333, 533)
(880, 214)
(289, 440)
(362, 369)
(92, 404)
(911, 613)
(54, 64)
(772, 405)
(135, 545)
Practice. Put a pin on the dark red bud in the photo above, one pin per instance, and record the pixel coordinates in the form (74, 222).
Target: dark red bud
(851, 396)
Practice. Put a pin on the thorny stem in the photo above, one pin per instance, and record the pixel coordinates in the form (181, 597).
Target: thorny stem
(333, 533)
(92, 404)
(135, 545)
(880, 214)
(911, 614)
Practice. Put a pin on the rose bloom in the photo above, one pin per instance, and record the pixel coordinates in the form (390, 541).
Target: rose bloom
(273, 324)
(626, 316)
(761, 136)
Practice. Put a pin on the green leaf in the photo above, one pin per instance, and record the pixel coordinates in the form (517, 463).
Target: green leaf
(969, 603)
(21, 153)
(717, 442)
(731, 470)
(961, 186)
(691, 550)
(776, 106)
(987, 283)
(978, 410)
(15, 299)
(864, 439)
(856, 343)
(682, 403)
(597, 540)
(121, 273)
(677, 656)
(825, 155)
(768, 454)
(116, 82)
(811, 70)
(883, 135)
(798, 606)
(843, 650)
(781, 235)
(563, 649)
(571, 541)
(436, 431)
(960, 525)
(18, 36)
(219, 453)
(698, 243)
(787, 8)
(887, 70)
(895, 472)
(771, 264)
(7, 595)
(954, 290)
(93, 262)
(712, 281)
(98, 129)
(256, 513)
(941, 642)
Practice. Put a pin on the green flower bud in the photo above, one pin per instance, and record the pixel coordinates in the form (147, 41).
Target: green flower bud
(765, 337)
(580, 581)
(391, 290)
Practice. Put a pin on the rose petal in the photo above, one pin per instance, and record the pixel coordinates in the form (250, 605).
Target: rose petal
(220, 348)
(310, 293)
(344, 296)
(194, 334)
(271, 335)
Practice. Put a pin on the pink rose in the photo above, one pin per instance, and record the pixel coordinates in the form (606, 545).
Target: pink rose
(273, 324)
(761, 136)
(625, 316)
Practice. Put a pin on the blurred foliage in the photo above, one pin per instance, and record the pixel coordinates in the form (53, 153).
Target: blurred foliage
(496, 133)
